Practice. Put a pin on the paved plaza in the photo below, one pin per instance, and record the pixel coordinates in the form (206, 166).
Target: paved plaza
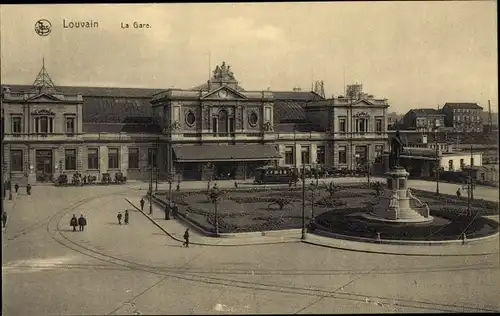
(137, 268)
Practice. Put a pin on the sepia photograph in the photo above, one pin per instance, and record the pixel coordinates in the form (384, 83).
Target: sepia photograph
(250, 158)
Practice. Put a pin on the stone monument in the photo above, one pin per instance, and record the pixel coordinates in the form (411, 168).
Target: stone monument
(397, 204)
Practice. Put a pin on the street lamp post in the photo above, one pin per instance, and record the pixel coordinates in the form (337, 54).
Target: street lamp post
(151, 186)
(368, 168)
(313, 188)
(303, 202)
(157, 173)
(10, 173)
(471, 174)
(214, 195)
(438, 167)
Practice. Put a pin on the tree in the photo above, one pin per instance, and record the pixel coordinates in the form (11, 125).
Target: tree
(332, 188)
(281, 202)
(378, 186)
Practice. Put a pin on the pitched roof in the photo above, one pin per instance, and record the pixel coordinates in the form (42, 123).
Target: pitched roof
(302, 127)
(120, 128)
(297, 95)
(225, 152)
(286, 111)
(116, 110)
(462, 105)
(95, 91)
(425, 112)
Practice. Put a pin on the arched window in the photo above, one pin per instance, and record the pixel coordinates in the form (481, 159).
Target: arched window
(223, 123)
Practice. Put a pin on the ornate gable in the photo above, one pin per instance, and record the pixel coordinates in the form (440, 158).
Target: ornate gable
(42, 112)
(223, 93)
(43, 97)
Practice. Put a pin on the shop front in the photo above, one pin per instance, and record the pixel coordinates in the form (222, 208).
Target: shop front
(222, 162)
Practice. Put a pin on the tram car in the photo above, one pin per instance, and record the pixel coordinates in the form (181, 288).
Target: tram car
(273, 174)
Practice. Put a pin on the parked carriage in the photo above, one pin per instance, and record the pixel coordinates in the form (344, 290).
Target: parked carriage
(120, 178)
(276, 175)
(106, 178)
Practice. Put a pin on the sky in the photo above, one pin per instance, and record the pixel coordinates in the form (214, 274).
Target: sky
(415, 54)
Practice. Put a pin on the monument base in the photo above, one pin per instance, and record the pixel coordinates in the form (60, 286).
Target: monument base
(397, 204)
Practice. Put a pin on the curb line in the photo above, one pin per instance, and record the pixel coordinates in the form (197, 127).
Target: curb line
(206, 244)
(396, 253)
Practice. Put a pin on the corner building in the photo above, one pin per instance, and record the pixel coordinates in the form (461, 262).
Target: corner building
(217, 129)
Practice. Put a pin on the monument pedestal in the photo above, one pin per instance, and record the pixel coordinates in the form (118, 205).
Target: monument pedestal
(397, 204)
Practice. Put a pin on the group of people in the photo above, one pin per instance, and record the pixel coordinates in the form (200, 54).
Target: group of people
(119, 216)
(16, 187)
(80, 222)
(169, 207)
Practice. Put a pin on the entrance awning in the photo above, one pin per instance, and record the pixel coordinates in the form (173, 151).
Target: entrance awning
(205, 153)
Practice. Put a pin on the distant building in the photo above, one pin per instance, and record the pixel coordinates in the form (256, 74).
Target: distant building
(393, 120)
(423, 119)
(463, 117)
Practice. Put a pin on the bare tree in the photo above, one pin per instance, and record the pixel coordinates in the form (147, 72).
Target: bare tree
(332, 188)
(281, 202)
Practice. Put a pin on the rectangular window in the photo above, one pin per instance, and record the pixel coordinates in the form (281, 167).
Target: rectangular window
(214, 126)
(17, 125)
(16, 160)
(231, 126)
(342, 125)
(289, 155)
(70, 125)
(361, 125)
(378, 126)
(472, 162)
(113, 161)
(305, 155)
(133, 158)
(44, 124)
(462, 163)
(379, 150)
(152, 161)
(70, 159)
(320, 155)
(450, 165)
(342, 155)
(93, 158)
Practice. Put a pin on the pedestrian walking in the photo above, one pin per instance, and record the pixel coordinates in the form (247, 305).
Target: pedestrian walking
(186, 238)
(16, 187)
(126, 217)
(175, 211)
(82, 222)
(459, 193)
(167, 211)
(28, 189)
(73, 222)
(142, 204)
(119, 216)
(4, 218)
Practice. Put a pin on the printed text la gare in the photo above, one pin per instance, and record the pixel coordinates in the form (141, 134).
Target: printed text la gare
(135, 25)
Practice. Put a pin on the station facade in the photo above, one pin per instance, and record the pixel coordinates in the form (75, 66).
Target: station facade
(214, 130)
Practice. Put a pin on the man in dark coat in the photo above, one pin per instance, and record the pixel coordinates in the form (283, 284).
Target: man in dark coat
(175, 211)
(4, 218)
(142, 204)
(459, 194)
(73, 222)
(119, 216)
(186, 238)
(16, 187)
(167, 211)
(28, 189)
(82, 222)
(126, 217)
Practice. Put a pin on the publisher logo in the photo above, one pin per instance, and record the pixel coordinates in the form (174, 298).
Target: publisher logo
(43, 27)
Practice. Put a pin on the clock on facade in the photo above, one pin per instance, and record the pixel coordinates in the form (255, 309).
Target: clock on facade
(222, 94)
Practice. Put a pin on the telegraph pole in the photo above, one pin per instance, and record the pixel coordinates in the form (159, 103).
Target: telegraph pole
(438, 167)
(303, 202)
(471, 174)
(151, 185)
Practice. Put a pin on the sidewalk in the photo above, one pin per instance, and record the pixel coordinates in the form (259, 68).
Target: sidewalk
(175, 229)
(481, 192)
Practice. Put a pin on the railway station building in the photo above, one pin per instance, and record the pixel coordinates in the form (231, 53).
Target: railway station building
(217, 129)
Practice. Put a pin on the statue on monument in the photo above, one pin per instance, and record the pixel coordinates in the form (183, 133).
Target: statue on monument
(396, 148)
